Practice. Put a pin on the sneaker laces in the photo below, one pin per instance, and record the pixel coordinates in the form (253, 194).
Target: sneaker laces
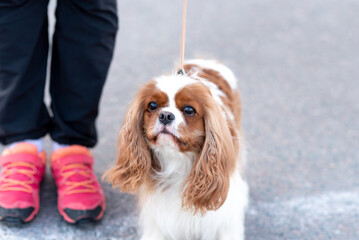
(7, 183)
(87, 183)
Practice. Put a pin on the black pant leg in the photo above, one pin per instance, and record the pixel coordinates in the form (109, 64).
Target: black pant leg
(82, 51)
(23, 59)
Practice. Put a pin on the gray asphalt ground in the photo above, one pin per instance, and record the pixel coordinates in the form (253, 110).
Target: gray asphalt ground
(298, 69)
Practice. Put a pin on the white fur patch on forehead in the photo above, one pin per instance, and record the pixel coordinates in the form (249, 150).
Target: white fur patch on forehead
(172, 84)
(224, 71)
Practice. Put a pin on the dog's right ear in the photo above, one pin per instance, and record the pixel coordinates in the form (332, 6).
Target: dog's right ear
(133, 154)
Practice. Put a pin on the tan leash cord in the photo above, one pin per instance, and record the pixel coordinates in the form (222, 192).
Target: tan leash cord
(183, 38)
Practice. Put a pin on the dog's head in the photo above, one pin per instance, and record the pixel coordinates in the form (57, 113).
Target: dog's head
(177, 112)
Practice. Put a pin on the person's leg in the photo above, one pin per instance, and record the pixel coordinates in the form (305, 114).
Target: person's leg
(82, 51)
(23, 115)
(23, 59)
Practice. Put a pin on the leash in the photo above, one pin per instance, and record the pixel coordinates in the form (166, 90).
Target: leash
(183, 37)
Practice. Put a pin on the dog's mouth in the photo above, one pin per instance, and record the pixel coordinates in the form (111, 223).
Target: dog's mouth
(165, 134)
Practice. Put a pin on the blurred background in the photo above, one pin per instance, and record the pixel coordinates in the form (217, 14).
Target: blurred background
(297, 64)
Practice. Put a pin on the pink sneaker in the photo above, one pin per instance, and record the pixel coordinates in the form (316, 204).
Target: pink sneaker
(22, 170)
(80, 196)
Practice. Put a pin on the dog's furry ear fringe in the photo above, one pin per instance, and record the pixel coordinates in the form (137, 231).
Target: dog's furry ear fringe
(133, 155)
(207, 186)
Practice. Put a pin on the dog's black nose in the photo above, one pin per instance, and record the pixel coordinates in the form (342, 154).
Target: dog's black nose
(166, 117)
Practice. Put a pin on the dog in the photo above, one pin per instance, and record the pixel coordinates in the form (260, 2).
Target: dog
(181, 149)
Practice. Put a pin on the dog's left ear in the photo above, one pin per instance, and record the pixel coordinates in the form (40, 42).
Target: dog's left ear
(207, 186)
(133, 154)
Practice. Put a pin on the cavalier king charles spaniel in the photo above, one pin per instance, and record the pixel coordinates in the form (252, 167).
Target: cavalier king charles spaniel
(181, 149)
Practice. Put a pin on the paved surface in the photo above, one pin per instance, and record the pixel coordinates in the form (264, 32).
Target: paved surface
(298, 67)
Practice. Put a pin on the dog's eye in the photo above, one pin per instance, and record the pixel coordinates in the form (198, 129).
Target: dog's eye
(188, 110)
(152, 106)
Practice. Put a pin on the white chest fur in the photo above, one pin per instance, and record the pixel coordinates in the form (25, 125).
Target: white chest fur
(162, 216)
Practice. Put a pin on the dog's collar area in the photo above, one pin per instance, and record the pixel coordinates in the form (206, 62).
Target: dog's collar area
(181, 72)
